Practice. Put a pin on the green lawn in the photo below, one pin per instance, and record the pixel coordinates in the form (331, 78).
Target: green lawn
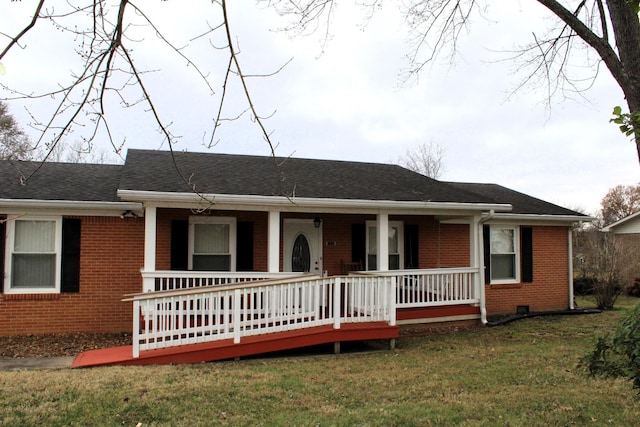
(520, 374)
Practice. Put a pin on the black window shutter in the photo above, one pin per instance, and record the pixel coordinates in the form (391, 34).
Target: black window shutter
(179, 245)
(244, 246)
(359, 243)
(70, 255)
(486, 237)
(2, 236)
(526, 254)
(411, 246)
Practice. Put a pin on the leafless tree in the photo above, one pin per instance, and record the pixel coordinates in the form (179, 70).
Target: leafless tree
(427, 159)
(619, 202)
(105, 39)
(79, 152)
(610, 29)
(14, 143)
(606, 264)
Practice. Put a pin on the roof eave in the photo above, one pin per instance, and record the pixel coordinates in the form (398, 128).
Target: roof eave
(96, 208)
(266, 203)
(541, 218)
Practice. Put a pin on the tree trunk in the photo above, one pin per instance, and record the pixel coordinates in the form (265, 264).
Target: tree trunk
(626, 28)
(624, 64)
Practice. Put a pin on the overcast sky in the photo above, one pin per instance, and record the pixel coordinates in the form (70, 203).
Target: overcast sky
(349, 102)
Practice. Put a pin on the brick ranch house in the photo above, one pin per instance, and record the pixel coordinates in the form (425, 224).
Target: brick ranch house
(78, 238)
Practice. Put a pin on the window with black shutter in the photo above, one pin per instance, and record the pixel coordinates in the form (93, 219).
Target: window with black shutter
(503, 246)
(526, 254)
(244, 246)
(179, 245)
(71, 228)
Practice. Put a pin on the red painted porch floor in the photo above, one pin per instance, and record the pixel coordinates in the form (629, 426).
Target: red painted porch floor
(249, 346)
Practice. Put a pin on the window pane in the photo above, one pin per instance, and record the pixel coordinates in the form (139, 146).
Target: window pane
(373, 240)
(393, 240)
(34, 236)
(394, 262)
(503, 267)
(372, 262)
(211, 239)
(502, 240)
(33, 271)
(212, 262)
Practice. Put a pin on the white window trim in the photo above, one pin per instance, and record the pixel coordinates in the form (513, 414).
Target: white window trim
(516, 248)
(8, 259)
(400, 226)
(231, 221)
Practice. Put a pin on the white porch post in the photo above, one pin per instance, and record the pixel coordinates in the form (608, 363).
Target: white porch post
(383, 241)
(479, 262)
(474, 255)
(150, 220)
(273, 246)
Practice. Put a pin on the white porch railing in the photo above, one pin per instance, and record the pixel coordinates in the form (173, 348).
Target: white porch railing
(201, 314)
(172, 280)
(434, 287)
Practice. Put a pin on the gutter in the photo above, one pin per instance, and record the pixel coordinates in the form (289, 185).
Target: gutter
(266, 203)
(13, 204)
(533, 218)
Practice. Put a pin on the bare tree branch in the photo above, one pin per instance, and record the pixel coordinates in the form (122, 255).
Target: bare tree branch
(25, 30)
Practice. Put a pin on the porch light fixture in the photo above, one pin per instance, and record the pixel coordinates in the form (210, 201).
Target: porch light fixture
(128, 214)
(316, 222)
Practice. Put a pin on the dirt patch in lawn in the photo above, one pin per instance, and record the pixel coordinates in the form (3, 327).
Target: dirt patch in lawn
(56, 345)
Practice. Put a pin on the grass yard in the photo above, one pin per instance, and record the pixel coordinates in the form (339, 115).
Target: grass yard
(520, 374)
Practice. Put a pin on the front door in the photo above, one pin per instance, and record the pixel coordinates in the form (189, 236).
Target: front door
(302, 246)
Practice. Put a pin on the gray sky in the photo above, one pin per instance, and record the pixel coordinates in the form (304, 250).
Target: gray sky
(349, 102)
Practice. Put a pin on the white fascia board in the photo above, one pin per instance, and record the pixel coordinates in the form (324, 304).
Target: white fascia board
(534, 219)
(70, 207)
(266, 203)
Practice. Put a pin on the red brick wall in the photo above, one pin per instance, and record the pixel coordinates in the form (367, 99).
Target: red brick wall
(337, 229)
(112, 254)
(442, 245)
(110, 261)
(550, 287)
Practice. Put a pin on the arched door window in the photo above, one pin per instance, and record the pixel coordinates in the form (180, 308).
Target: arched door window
(301, 255)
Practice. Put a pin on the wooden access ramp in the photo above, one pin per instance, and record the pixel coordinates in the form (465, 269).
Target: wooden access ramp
(249, 346)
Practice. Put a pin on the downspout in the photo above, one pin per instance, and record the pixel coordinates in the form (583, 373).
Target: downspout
(480, 240)
(571, 296)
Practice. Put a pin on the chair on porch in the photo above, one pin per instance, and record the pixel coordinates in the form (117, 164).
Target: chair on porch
(347, 267)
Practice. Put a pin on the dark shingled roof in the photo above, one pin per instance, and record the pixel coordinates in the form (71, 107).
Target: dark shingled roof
(522, 203)
(60, 181)
(148, 170)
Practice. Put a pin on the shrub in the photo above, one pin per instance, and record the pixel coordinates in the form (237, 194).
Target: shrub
(583, 286)
(633, 290)
(618, 355)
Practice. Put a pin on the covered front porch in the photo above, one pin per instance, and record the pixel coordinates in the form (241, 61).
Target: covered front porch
(251, 241)
(323, 270)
